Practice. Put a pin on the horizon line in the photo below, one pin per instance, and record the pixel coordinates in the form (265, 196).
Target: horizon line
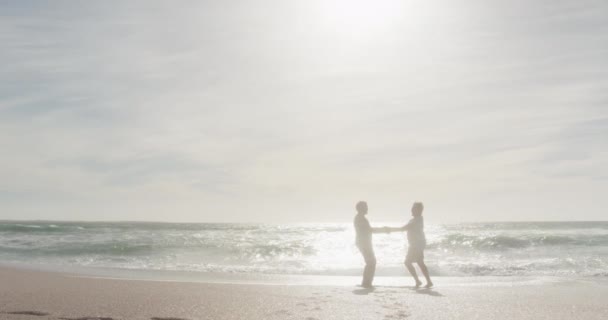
(277, 223)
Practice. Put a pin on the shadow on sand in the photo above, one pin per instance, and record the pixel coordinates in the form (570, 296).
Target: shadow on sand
(28, 313)
(427, 291)
(364, 291)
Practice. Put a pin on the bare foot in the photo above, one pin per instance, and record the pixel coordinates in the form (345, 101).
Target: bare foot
(429, 285)
(418, 284)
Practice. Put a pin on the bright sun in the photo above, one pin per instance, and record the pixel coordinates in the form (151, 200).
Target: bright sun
(363, 17)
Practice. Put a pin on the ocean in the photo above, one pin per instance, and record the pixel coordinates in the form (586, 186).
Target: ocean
(565, 249)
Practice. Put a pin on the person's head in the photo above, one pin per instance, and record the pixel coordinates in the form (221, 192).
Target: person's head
(417, 209)
(361, 207)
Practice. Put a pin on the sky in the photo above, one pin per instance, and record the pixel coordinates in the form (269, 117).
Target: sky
(292, 111)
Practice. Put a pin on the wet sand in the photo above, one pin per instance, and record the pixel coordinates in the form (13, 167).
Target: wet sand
(33, 295)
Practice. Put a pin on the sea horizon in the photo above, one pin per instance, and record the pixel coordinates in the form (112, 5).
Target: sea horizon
(287, 222)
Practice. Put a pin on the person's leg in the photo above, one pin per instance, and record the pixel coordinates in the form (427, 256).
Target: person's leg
(410, 266)
(412, 270)
(423, 268)
(370, 266)
(425, 272)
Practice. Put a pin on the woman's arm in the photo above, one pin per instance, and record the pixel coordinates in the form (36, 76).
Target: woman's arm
(390, 229)
(407, 226)
(381, 230)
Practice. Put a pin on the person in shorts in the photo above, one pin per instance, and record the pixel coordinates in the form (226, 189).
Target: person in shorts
(417, 242)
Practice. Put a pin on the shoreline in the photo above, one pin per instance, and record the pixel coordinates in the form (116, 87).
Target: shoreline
(285, 279)
(55, 295)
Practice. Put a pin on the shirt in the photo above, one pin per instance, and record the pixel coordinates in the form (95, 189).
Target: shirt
(415, 232)
(363, 230)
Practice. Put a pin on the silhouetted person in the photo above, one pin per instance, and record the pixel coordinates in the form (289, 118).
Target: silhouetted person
(417, 242)
(364, 243)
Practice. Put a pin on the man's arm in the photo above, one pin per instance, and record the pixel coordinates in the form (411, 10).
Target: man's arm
(391, 229)
(404, 228)
(366, 227)
(380, 230)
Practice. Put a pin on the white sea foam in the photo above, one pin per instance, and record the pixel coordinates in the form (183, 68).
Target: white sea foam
(484, 249)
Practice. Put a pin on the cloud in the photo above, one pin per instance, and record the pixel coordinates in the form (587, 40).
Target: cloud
(156, 111)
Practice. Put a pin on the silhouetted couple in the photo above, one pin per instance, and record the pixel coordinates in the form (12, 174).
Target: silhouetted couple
(415, 237)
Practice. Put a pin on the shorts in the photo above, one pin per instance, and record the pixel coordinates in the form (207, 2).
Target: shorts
(414, 254)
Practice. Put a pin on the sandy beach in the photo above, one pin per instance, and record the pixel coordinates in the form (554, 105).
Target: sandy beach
(26, 294)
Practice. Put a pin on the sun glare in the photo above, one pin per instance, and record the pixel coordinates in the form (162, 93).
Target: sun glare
(362, 17)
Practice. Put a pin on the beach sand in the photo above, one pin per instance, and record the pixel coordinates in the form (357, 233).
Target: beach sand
(32, 295)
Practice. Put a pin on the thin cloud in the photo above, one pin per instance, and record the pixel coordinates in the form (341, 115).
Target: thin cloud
(143, 109)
